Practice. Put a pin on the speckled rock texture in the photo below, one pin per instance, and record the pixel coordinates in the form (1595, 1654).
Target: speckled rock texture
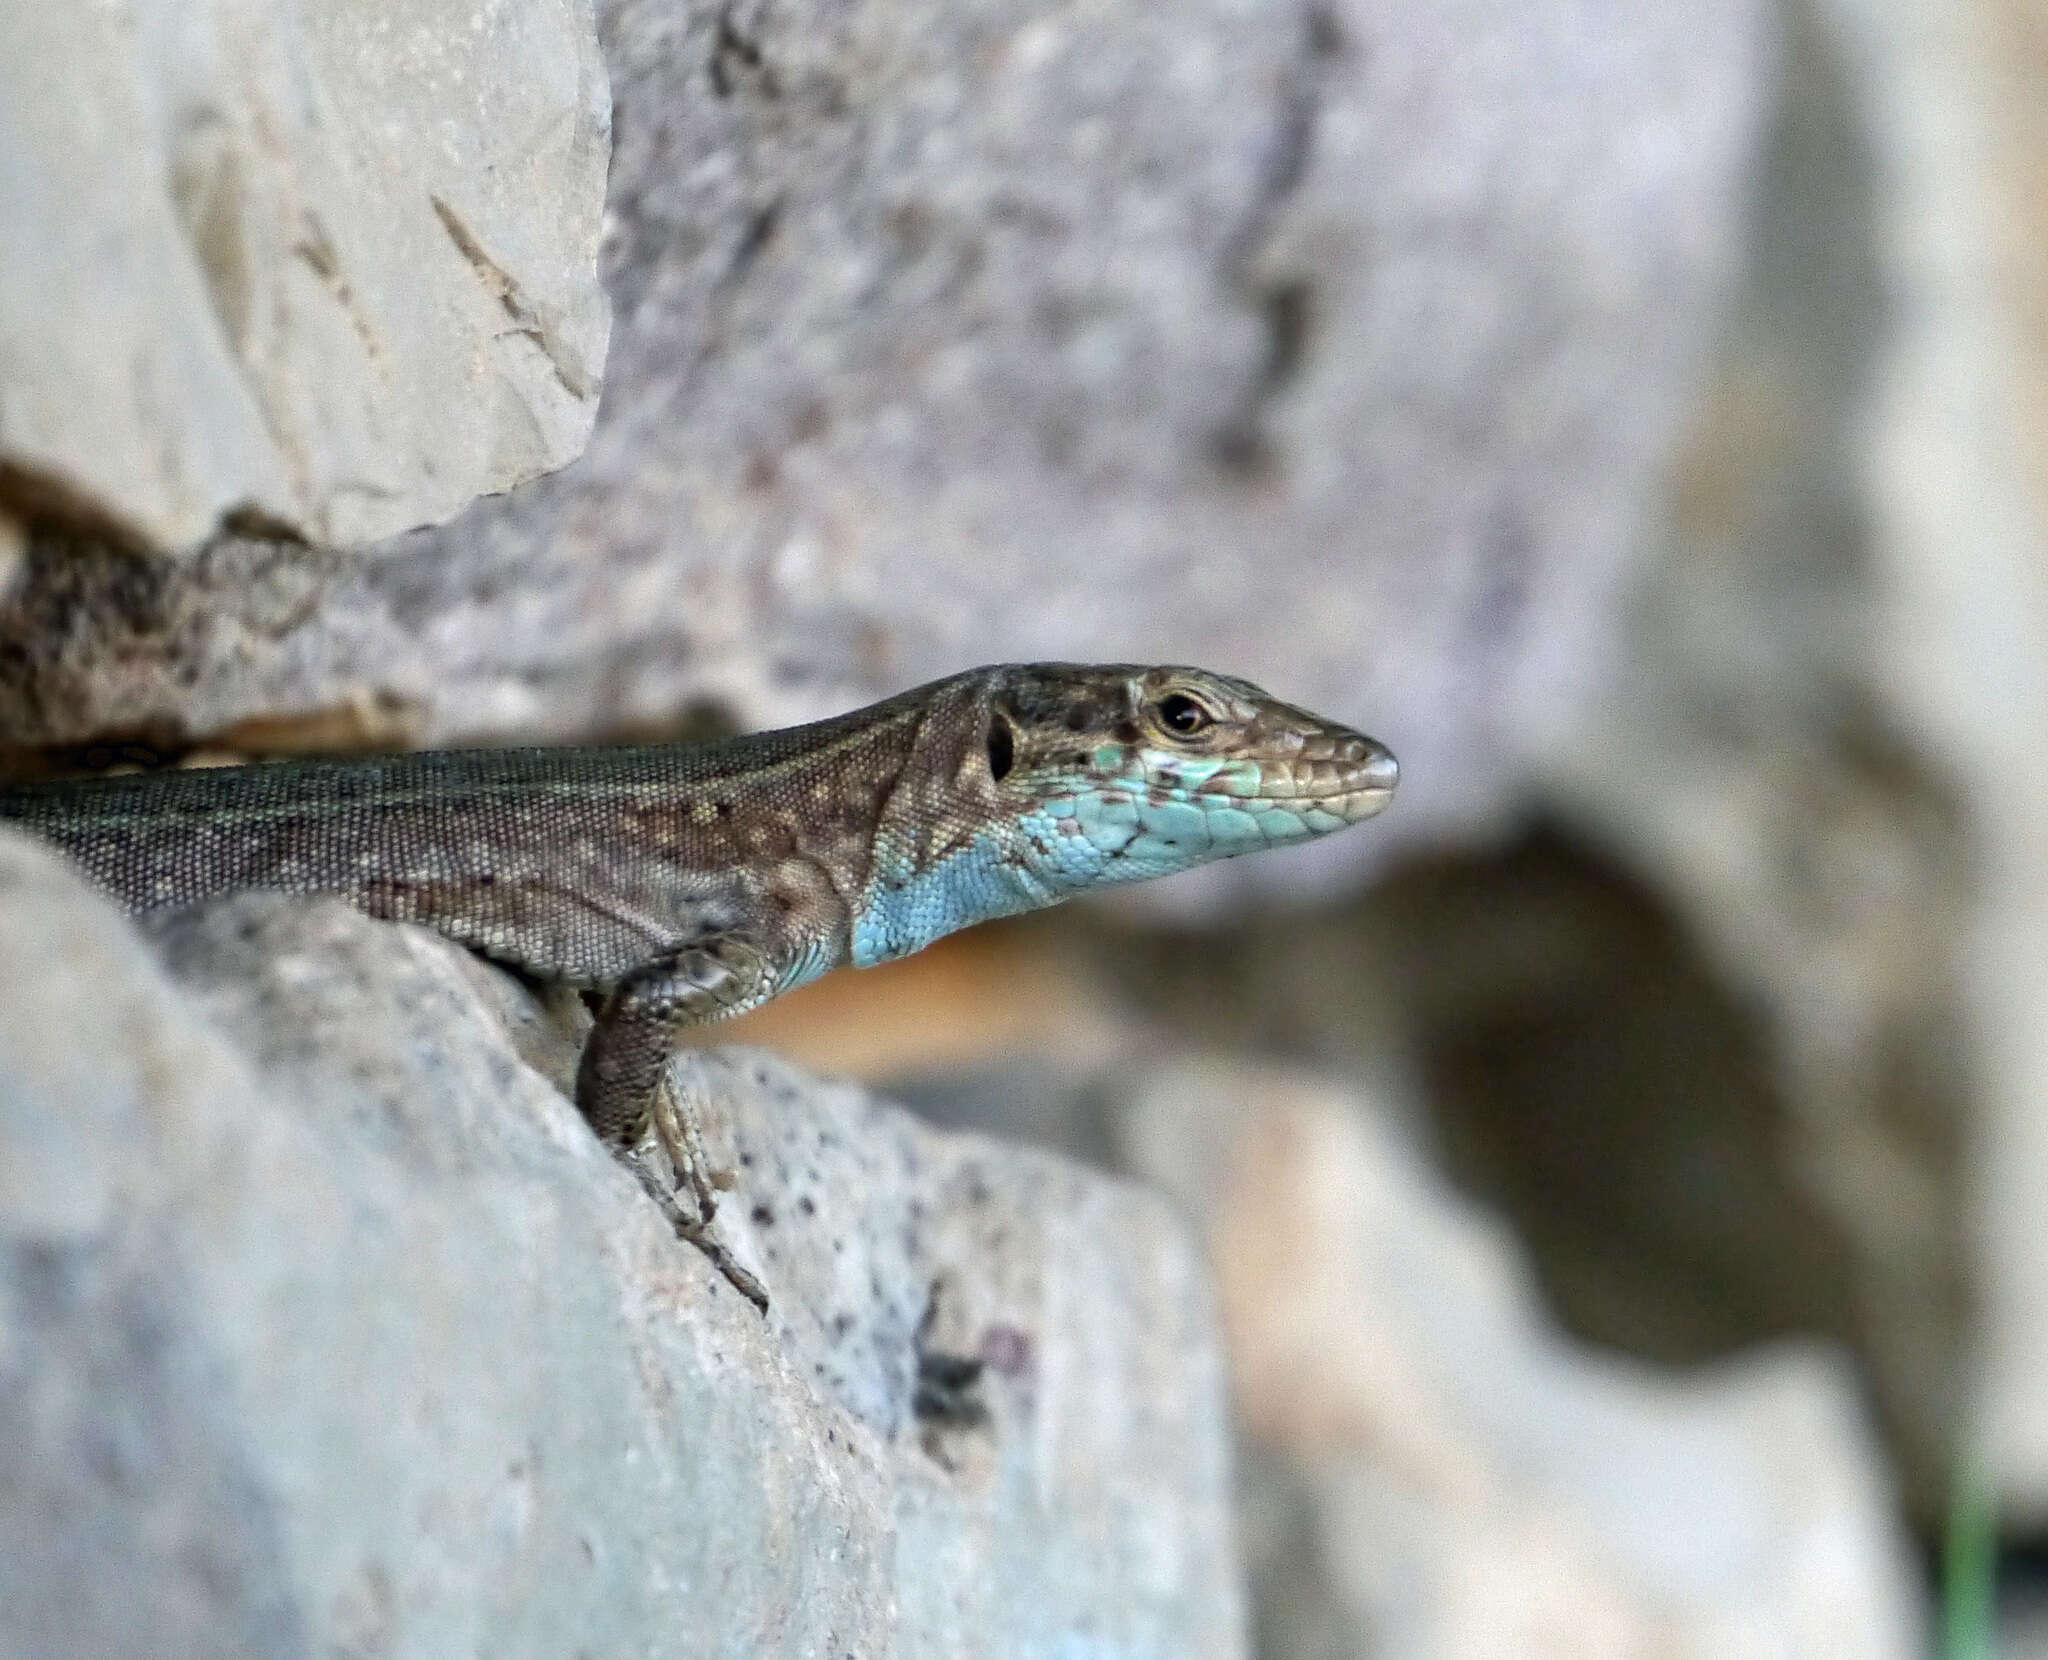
(327, 1328)
(329, 269)
(1331, 342)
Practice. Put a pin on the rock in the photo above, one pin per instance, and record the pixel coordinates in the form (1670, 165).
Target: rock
(1434, 1472)
(13, 554)
(1336, 344)
(325, 1325)
(1588, 1069)
(1744, 1031)
(2006, 366)
(327, 271)
(1821, 740)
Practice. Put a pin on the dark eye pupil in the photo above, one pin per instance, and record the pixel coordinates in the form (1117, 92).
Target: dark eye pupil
(1182, 714)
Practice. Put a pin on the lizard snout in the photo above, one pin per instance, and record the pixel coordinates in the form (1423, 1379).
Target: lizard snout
(1361, 777)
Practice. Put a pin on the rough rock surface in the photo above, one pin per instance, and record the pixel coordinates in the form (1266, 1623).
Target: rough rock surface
(327, 268)
(1333, 342)
(1433, 1473)
(325, 1327)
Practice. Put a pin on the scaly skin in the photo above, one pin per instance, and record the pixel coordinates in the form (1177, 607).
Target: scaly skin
(688, 882)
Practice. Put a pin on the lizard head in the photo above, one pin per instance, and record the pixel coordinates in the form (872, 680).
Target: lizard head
(1139, 772)
(1035, 781)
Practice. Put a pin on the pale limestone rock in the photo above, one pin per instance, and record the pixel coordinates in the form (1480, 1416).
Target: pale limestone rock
(326, 1326)
(1822, 740)
(1436, 1473)
(332, 268)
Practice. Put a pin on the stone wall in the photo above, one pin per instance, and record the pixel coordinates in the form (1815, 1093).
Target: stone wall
(1622, 410)
(330, 273)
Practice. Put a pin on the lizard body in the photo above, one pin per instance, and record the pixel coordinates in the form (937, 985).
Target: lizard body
(688, 882)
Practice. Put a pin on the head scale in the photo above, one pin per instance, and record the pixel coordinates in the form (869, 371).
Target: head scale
(1035, 781)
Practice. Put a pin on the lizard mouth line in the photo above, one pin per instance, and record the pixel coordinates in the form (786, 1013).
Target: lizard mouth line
(1355, 804)
(1366, 793)
(1356, 789)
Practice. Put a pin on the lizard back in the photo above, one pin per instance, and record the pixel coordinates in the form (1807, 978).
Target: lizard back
(571, 862)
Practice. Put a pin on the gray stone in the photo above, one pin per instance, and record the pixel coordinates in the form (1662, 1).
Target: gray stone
(1745, 1035)
(1433, 1472)
(327, 1327)
(332, 269)
(1820, 742)
(1336, 344)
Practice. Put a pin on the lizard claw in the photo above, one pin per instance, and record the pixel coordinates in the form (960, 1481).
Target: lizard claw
(694, 1230)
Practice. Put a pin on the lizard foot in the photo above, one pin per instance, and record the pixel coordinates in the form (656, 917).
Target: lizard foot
(632, 1077)
(693, 1229)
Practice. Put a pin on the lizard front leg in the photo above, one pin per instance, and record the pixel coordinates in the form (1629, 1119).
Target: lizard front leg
(625, 1083)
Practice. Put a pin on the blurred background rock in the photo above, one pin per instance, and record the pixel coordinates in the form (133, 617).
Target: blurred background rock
(1623, 1163)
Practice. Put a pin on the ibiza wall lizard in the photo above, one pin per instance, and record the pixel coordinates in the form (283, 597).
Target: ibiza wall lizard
(689, 882)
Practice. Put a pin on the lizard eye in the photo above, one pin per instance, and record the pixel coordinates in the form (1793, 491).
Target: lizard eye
(1182, 715)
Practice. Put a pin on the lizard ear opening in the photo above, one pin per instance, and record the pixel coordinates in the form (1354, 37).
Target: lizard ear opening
(1002, 747)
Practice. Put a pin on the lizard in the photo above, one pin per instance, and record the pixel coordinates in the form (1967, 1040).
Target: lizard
(677, 884)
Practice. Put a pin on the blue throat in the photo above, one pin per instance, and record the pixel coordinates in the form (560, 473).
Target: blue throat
(905, 909)
(1091, 837)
